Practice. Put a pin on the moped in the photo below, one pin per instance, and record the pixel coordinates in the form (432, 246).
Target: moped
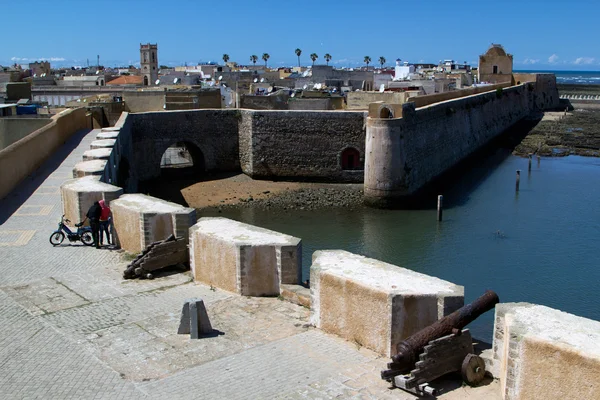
(83, 233)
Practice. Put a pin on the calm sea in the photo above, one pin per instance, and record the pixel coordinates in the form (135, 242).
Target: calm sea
(573, 77)
(539, 246)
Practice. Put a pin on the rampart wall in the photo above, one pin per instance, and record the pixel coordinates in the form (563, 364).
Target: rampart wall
(13, 129)
(24, 156)
(404, 154)
(138, 101)
(300, 144)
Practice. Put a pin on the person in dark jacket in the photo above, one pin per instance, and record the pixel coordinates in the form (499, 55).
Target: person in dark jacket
(93, 215)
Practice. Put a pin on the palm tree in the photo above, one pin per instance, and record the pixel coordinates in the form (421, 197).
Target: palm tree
(327, 58)
(265, 57)
(314, 57)
(225, 58)
(253, 58)
(298, 52)
(367, 61)
(382, 61)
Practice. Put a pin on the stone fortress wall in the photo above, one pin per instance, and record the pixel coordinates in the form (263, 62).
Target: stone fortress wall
(404, 154)
(264, 144)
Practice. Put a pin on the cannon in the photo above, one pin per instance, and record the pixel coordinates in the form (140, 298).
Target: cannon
(440, 348)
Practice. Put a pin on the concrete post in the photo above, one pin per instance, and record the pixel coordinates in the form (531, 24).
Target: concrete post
(194, 319)
(518, 179)
(440, 207)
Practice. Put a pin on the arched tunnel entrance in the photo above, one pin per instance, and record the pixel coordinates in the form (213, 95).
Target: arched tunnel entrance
(182, 160)
(182, 164)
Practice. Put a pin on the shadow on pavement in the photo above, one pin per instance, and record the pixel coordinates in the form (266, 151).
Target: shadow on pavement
(25, 188)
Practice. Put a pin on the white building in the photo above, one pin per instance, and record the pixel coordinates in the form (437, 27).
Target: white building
(403, 72)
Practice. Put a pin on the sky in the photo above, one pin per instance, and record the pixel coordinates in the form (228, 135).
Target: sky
(540, 34)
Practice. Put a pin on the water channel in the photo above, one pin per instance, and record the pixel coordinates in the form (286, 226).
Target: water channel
(539, 245)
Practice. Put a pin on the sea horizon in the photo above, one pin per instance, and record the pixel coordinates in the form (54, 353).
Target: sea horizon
(570, 77)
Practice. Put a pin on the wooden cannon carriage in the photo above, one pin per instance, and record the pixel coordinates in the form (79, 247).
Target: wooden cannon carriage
(171, 251)
(439, 349)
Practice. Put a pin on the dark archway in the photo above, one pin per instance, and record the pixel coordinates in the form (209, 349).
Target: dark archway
(182, 164)
(145, 81)
(385, 112)
(182, 159)
(350, 159)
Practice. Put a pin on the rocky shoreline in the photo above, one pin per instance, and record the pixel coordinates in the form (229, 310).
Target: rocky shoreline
(560, 134)
(300, 199)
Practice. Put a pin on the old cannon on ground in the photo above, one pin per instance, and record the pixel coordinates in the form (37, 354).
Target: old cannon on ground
(439, 349)
(171, 251)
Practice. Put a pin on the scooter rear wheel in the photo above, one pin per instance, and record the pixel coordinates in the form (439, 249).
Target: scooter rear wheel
(87, 238)
(57, 238)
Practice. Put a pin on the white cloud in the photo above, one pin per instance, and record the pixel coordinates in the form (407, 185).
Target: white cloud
(53, 59)
(341, 61)
(531, 61)
(584, 61)
(553, 59)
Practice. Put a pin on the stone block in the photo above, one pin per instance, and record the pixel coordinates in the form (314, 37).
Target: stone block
(97, 154)
(140, 220)
(373, 303)
(90, 167)
(242, 258)
(543, 353)
(99, 144)
(107, 135)
(78, 195)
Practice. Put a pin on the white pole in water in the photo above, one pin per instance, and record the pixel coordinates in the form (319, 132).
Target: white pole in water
(440, 207)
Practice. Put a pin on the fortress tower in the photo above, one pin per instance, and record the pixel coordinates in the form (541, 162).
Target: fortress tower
(149, 63)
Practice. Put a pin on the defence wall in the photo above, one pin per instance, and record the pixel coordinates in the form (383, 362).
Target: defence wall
(422, 101)
(361, 100)
(404, 154)
(264, 102)
(333, 103)
(13, 129)
(543, 353)
(26, 155)
(213, 132)
(300, 144)
(138, 101)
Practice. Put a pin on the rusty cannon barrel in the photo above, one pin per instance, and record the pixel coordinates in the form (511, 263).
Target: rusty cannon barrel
(410, 348)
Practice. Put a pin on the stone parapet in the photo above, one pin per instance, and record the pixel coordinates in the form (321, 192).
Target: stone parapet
(99, 144)
(107, 135)
(242, 258)
(89, 167)
(78, 195)
(373, 303)
(97, 154)
(111, 128)
(140, 220)
(543, 353)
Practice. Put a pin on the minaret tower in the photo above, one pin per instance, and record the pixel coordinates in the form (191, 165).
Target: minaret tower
(149, 63)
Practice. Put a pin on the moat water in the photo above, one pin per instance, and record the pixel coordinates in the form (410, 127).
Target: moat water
(540, 245)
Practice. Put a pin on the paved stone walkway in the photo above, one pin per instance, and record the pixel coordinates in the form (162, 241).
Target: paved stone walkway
(72, 328)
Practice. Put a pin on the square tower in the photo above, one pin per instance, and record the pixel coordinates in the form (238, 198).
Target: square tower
(149, 63)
